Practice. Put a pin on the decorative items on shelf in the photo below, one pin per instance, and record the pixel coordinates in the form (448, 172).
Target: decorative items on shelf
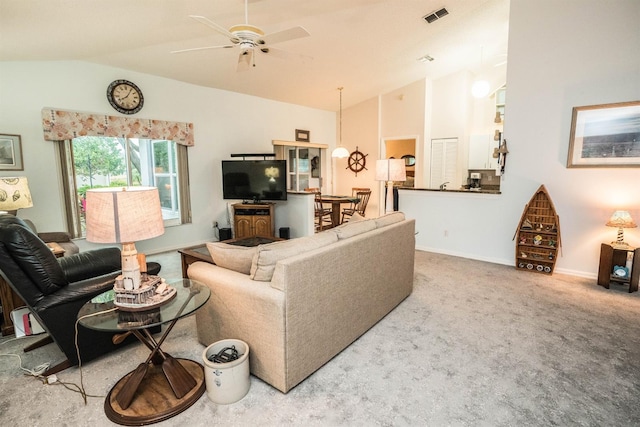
(502, 156)
(538, 234)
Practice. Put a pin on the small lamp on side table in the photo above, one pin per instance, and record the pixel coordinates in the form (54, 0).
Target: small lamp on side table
(620, 219)
(124, 215)
(14, 194)
(390, 170)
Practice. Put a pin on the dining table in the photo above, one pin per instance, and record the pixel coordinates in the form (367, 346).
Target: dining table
(336, 201)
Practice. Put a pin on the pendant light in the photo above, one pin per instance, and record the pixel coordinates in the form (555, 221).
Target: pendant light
(480, 88)
(340, 151)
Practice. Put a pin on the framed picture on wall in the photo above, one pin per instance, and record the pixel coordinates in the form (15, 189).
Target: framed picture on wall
(606, 135)
(302, 135)
(10, 153)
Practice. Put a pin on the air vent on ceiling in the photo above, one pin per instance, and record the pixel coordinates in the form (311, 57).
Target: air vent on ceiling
(435, 15)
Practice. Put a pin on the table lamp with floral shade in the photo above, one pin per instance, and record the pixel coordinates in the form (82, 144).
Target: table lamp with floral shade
(14, 194)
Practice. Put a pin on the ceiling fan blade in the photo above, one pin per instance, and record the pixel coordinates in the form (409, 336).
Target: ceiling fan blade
(245, 59)
(285, 35)
(283, 54)
(210, 23)
(193, 49)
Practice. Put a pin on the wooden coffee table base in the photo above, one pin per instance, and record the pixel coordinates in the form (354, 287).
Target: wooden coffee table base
(154, 400)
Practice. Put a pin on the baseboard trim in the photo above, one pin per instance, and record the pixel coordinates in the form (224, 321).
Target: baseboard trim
(510, 262)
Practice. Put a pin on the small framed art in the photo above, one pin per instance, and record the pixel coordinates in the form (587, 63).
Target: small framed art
(606, 135)
(10, 153)
(302, 135)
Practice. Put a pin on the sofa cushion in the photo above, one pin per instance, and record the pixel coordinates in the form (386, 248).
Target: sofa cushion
(353, 228)
(232, 257)
(264, 261)
(388, 219)
(356, 217)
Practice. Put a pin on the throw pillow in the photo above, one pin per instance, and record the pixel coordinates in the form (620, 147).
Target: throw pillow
(356, 217)
(388, 219)
(353, 228)
(232, 257)
(264, 262)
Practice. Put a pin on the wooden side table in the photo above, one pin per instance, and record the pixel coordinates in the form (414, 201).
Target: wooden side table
(193, 254)
(611, 256)
(10, 301)
(162, 386)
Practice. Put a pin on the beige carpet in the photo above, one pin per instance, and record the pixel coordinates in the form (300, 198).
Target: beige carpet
(475, 344)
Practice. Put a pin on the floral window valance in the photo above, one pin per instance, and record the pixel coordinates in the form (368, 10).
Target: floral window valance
(60, 125)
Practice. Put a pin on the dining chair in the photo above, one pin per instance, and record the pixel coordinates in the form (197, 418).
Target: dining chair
(322, 215)
(359, 206)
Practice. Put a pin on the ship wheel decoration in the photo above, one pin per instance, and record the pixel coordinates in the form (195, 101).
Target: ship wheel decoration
(357, 161)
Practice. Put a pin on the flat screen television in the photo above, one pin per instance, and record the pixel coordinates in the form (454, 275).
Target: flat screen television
(254, 180)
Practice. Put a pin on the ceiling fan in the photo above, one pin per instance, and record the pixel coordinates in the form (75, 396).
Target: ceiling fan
(249, 38)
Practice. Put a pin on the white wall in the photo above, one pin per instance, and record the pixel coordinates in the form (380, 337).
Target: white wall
(224, 123)
(359, 129)
(586, 53)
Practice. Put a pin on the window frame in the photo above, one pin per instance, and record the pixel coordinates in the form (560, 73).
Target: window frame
(69, 187)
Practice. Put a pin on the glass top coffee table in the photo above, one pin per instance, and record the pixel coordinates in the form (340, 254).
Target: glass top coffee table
(161, 386)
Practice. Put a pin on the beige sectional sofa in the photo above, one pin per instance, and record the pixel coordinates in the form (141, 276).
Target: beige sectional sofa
(298, 303)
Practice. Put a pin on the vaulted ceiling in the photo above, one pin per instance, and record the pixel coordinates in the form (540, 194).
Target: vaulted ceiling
(369, 47)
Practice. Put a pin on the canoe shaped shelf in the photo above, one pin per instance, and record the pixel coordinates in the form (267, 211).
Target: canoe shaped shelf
(538, 235)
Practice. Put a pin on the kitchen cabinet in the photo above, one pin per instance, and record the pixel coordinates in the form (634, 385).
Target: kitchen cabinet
(481, 152)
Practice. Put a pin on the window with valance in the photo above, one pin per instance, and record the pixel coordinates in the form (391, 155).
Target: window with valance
(98, 150)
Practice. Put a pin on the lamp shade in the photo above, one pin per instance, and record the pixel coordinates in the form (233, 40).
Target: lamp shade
(14, 193)
(340, 152)
(621, 219)
(391, 170)
(122, 215)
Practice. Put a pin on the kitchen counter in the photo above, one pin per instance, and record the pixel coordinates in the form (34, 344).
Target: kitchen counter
(457, 190)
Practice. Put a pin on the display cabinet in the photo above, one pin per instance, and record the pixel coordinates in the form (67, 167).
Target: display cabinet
(538, 235)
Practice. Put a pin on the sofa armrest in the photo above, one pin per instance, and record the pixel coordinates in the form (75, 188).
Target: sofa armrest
(244, 309)
(55, 236)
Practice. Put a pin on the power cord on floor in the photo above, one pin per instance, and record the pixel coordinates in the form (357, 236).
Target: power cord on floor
(80, 388)
(38, 370)
(53, 379)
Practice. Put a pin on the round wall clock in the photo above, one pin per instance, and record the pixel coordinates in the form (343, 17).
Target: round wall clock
(125, 97)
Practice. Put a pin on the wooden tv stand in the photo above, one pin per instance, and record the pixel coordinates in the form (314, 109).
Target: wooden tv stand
(254, 219)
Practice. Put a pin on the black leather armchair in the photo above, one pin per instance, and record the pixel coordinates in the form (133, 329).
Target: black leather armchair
(55, 289)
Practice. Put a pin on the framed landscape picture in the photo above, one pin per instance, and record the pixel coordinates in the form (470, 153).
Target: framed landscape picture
(606, 135)
(10, 153)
